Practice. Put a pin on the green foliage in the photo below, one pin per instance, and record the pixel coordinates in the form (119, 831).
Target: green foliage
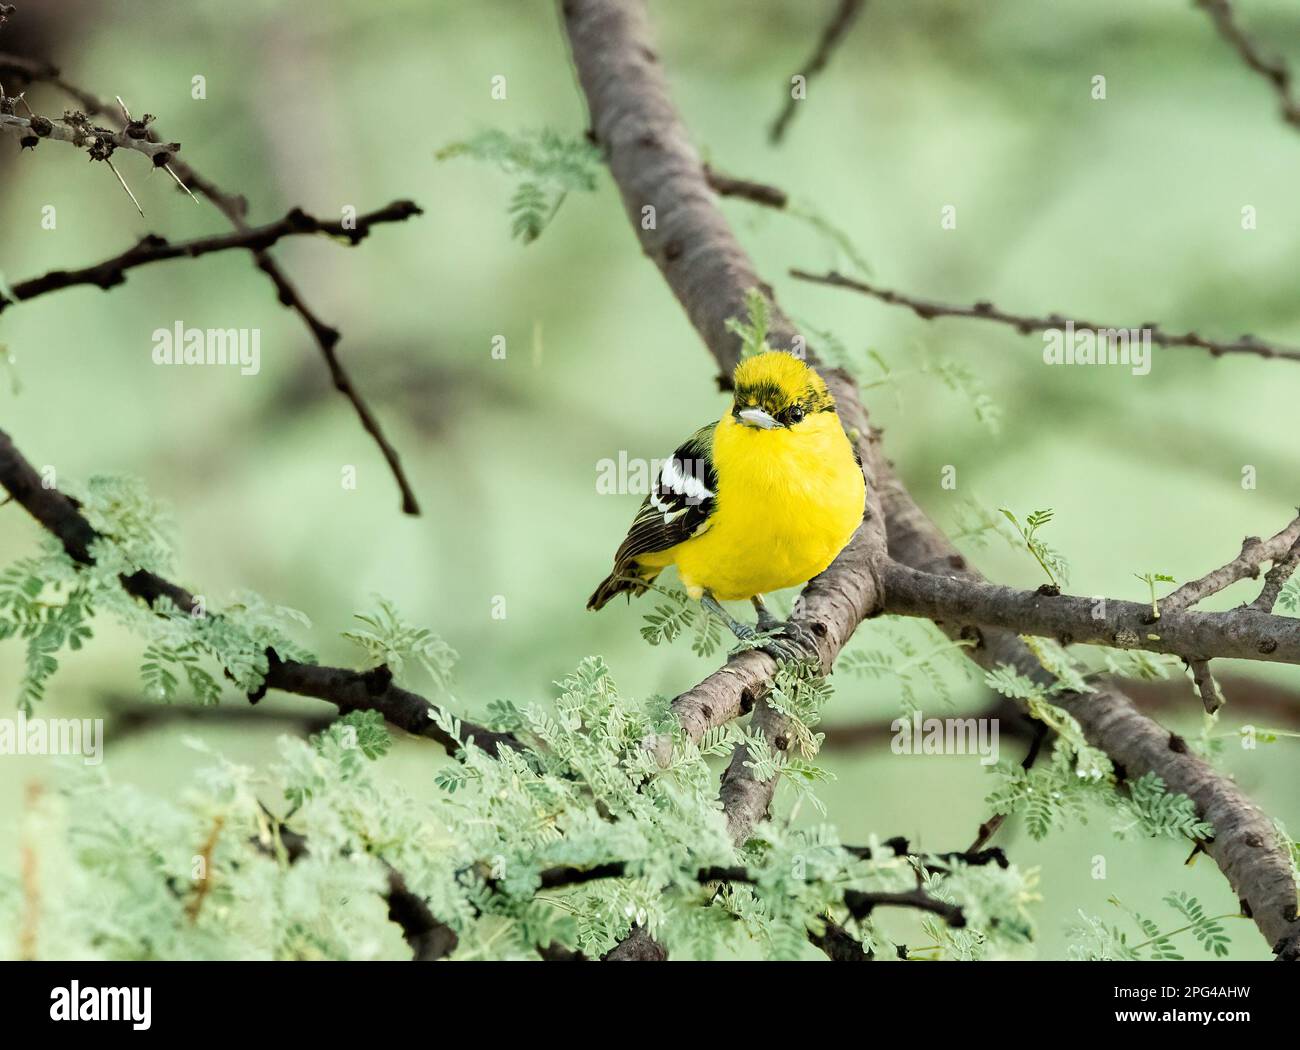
(918, 672)
(1207, 931)
(1092, 940)
(1139, 664)
(974, 523)
(800, 691)
(549, 165)
(389, 641)
(1288, 599)
(961, 379)
(1151, 579)
(841, 244)
(1157, 811)
(50, 601)
(1052, 562)
(583, 791)
(753, 331)
(672, 617)
(956, 376)
(1078, 777)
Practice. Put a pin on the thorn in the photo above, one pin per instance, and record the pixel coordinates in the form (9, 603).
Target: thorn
(168, 169)
(125, 112)
(125, 187)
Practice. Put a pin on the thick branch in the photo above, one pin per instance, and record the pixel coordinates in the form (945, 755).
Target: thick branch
(1246, 846)
(1242, 634)
(1246, 565)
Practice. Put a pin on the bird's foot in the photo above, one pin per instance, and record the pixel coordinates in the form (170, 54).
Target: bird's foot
(788, 642)
(767, 623)
(742, 631)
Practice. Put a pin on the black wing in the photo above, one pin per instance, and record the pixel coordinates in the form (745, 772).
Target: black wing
(680, 505)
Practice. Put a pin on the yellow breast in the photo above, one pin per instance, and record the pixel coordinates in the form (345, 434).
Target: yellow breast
(788, 500)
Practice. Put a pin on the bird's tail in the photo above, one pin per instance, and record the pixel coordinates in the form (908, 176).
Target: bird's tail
(619, 581)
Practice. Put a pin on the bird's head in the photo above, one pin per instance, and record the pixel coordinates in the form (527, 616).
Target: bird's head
(777, 390)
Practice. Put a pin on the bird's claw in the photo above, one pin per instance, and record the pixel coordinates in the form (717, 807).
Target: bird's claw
(789, 643)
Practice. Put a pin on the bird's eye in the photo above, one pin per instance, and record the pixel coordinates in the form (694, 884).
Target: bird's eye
(794, 414)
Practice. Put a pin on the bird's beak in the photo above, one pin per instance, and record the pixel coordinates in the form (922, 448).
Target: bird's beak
(756, 417)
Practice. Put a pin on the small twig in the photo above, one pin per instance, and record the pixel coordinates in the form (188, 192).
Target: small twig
(152, 249)
(1208, 689)
(235, 208)
(990, 827)
(1274, 70)
(1280, 572)
(204, 883)
(1025, 324)
(862, 904)
(755, 192)
(1254, 552)
(832, 34)
(78, 131)
(126, 113)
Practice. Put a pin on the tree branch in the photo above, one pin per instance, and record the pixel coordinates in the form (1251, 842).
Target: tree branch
(1282, 570)
(235, 209)
(348, 690)
(846, 12)
(1274, 70)
(1246, 565)
(99, 141)
(653, 163)
(1242, 634)
(152, 249)
(1246, 845)
(1025, 324)
(747, 189)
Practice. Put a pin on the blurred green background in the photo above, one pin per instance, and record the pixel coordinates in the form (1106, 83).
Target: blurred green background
(1122, 210)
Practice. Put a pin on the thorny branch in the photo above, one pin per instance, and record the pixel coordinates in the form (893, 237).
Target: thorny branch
(235, 210)
(152, 248)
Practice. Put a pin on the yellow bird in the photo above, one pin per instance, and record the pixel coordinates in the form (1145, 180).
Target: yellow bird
(763, 499)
